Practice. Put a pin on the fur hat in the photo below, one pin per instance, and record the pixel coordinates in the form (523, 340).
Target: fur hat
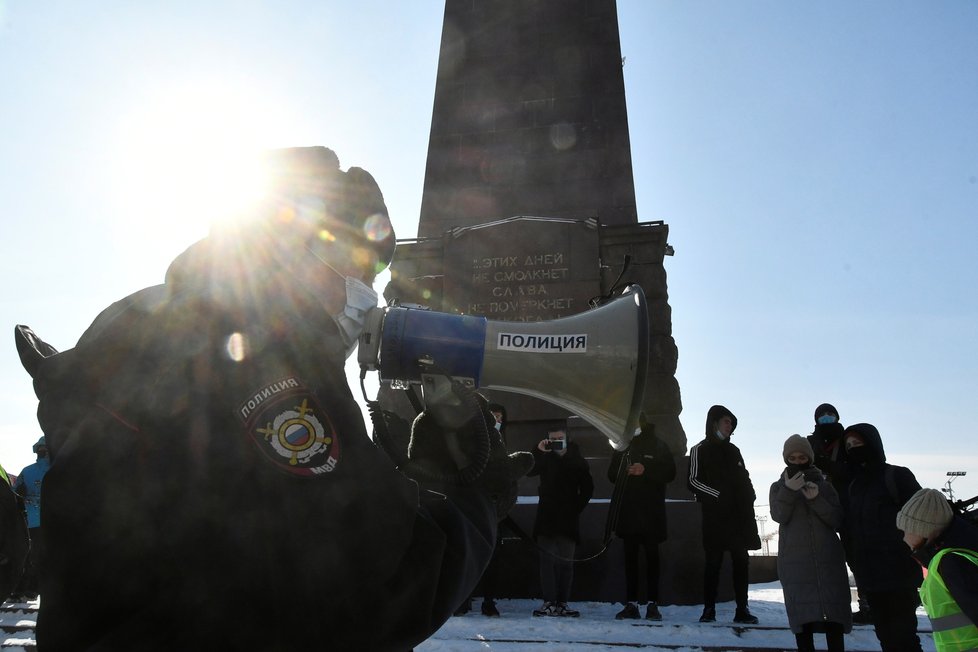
(797, 444)
(926, 513)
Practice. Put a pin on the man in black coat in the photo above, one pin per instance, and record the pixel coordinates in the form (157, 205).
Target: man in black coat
(641, 473)
(828, 447)
(212, 485)
(883, 567)
(566, 488)
(720, 481)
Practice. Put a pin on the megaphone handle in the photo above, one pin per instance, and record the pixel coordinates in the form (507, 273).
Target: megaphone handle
(467, 475)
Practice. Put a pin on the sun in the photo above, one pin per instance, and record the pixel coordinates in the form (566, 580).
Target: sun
(186, 156)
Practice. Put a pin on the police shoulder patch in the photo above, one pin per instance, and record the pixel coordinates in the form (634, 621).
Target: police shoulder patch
(291, 429)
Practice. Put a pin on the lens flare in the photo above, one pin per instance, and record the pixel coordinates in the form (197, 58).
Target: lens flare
(236, 347)
(377, 227)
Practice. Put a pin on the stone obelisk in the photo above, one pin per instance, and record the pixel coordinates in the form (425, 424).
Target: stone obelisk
(528, 210)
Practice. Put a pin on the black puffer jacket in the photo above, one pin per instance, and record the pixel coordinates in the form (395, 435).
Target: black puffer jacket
(642, 506)
(720, 481)
(566, 488)
(879, 558)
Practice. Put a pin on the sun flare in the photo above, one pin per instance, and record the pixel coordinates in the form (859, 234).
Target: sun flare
(187, 157)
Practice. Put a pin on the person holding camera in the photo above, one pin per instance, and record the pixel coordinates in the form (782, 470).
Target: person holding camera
(566, 488)
(811, 561)
(212, 483)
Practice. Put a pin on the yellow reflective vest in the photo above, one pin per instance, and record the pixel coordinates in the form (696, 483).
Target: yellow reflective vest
(953, 630)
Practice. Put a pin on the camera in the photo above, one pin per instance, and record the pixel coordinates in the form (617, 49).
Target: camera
(556, 444)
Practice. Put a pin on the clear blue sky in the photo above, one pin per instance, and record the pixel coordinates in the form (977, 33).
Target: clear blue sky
(817, 164)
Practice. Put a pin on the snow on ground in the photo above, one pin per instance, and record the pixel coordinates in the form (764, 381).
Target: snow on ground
(517, 630)
(598, 631)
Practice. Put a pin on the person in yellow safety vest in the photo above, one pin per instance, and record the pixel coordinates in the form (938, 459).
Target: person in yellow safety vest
(946, 545)
(4, 476)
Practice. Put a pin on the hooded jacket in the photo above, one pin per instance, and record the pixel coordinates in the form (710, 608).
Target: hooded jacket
(720, 481)
(879, 558)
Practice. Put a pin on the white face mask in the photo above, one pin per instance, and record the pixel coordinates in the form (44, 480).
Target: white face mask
(360, 298)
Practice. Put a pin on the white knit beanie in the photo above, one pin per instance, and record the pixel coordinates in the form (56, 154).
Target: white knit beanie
(926, 513)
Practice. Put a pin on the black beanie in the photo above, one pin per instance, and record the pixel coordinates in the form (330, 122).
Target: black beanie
(826, 408)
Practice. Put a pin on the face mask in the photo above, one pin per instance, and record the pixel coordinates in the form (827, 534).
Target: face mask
(360, 298)
(858, 455)
(795, 468)
(499, 427)
(826, 418)
(720, 436)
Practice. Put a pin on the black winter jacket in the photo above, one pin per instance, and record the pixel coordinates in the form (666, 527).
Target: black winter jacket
(212, 483)
(720, 481)
(830, 454)
(566, 488)
(879, 558)
(642, 506)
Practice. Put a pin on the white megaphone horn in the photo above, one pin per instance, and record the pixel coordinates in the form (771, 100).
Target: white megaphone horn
(592, 364)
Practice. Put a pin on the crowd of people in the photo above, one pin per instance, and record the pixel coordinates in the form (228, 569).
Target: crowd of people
(206, 468)
(837, 503)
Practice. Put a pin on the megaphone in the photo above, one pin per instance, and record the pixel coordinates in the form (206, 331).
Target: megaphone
(592, 364)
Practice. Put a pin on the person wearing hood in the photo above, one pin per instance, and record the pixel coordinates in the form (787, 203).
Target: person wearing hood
(947, 546)
(212, 481)
(720, 481)
(641, 473)
(883, 568)
(28, 487)
(811, 561)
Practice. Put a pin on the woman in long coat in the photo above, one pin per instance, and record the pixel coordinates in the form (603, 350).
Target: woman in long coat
(811, 561)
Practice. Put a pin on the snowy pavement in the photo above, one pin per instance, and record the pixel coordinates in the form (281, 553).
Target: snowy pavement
(598, 631)
(595, 631)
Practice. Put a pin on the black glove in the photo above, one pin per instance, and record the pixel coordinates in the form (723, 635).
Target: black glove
(442, 454)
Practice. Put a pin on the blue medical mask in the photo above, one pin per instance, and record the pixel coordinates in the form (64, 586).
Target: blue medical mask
(826, 418)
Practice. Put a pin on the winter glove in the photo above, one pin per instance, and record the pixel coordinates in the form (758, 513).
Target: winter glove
(443, 454)
(795, 482)
(810, 490)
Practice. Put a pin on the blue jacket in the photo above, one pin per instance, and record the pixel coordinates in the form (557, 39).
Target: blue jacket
(28, 485)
